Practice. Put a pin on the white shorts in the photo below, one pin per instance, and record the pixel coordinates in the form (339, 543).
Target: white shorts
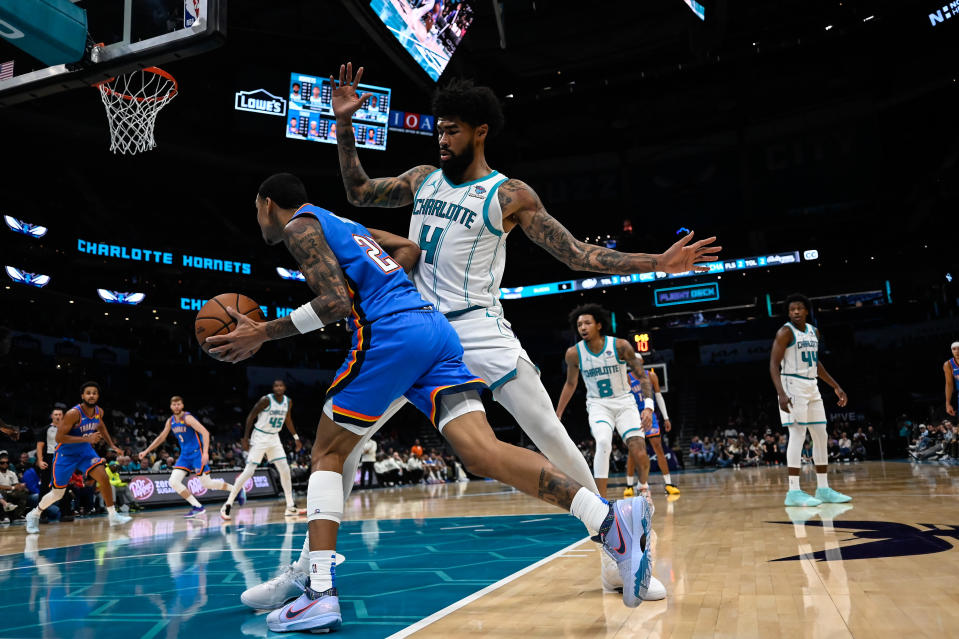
(618, 413)
(807, 408)
(490, 349)
(265, 445)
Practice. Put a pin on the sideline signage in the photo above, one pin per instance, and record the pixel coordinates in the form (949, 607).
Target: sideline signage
(153, 489)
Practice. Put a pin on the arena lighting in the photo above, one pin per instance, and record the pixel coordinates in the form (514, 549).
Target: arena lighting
(287, 274)
(30, 279)
(116, 297)
(696, 8)
(19, 226)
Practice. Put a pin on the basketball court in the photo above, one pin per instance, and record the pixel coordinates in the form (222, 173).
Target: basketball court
(471, 558)
(480, 559)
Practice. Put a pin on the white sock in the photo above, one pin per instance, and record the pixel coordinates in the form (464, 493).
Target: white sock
(303, 563)
(193, 501)
(588, 507)
(322, 569)
(112, 511)
(644, 486)
(794, 482)
(667, 479)
(821, 481)
(630, 480)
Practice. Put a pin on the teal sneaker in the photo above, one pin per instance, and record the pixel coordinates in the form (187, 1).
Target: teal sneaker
(799, 498)
(829, 496)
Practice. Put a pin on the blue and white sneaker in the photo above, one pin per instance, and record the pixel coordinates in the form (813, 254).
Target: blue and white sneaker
(312, 611)
(799, 498)
(630, 541)
(194, 511)
(829, 496)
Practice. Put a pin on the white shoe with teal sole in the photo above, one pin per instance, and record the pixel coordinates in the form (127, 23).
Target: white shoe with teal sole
(799, 498)
(630, 542)
(829, 496)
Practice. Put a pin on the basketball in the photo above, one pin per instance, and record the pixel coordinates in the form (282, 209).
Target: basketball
(214, 320)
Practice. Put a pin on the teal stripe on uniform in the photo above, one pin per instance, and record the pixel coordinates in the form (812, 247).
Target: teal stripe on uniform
(469, 262)
(489, 200)
(603, 421)
(455, 314)
(628, 432)
(811, 379)
(809, 423)
(502, 380)
(472, 182)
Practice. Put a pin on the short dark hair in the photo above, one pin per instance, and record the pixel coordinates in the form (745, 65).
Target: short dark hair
(600, 314)
(285, 189)
(472, 104)
(798, 297)
(87, 385)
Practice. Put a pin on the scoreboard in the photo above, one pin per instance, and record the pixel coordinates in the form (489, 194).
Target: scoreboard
(310, 116)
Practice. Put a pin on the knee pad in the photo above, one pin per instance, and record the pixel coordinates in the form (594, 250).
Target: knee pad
(176, 480)
(324, 496)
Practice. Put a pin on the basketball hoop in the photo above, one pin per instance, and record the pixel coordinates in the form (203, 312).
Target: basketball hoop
(132, 101)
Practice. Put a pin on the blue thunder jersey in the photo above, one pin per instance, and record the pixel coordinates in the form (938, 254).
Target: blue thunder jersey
(189, 439)
(955, 371)
(377, 284)
(86, 425)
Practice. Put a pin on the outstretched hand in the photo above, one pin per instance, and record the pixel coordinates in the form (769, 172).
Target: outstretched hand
(683, 257)
(241, 342)
(345, 101)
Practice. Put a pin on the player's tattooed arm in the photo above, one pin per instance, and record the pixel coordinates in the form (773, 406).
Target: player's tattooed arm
(305, 240)
(405, 252)
(361, 190)
(635, 363)
(521, 206)
(555, 487)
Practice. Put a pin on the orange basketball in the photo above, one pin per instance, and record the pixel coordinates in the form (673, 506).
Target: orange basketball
(214, 320)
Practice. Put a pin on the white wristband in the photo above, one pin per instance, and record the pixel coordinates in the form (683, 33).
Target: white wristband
(296, 437)
(305, 319)
(647, 403)
(662, 405)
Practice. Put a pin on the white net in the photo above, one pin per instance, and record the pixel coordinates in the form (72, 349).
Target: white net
(132, 102)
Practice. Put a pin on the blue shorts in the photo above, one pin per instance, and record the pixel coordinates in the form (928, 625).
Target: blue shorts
(415, 354)
(653, 430)
(71, 457)
(190, 462)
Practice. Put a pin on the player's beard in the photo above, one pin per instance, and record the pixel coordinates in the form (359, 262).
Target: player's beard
(455, 167)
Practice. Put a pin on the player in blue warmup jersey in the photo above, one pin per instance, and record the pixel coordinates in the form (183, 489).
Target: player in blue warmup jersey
(194, 441)
(951, 369)
(80, 428)
(401, 347)
(653, 435)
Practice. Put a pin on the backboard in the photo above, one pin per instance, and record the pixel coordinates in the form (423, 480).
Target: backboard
(134, 34)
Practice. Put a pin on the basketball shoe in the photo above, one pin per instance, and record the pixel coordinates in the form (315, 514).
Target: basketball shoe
(829, 496)
(118, 519)
(628, 538)
(613, 582)
(312, 611)
(33, 522)
(629, 492)
(672, 489)
(272, 594)
(226, 508)
(799, 498)
(194, 511)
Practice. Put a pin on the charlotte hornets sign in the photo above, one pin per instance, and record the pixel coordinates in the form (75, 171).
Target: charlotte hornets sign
(259, 101)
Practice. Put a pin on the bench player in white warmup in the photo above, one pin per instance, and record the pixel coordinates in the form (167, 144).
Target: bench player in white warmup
(462, 214)
(795, 368)
(262, 439)
(602, 362)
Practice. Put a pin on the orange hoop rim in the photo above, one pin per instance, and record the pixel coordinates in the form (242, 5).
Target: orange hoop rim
(155, 70)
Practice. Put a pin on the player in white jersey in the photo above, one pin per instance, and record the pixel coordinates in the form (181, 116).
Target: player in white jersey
(262, 439)
(795, 368)
(462, 213)
(602, 361)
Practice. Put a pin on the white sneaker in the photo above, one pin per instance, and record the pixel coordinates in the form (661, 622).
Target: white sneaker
(613, 582)
(274, 593)
(225, 511)
(33, 522)
(119, 518)
(124, 508)
(656, 592)
(293, 511)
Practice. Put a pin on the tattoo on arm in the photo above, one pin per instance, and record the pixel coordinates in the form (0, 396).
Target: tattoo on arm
(390, 192)
(306, 243)
(544, 230)
(556, 488)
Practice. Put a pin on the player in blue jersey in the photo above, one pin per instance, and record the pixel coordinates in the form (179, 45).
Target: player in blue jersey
(194, 441)
(80, 428)
(653, 436)
(951, 369)
(401, 347)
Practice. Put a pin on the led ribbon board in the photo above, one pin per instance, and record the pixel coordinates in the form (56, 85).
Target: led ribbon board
(675, 295)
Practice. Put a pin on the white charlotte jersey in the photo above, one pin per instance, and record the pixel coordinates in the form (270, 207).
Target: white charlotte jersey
(604, 373)
(460, 231)
(802, 354)
(271, 419)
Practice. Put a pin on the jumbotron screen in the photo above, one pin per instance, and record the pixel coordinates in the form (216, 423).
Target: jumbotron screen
(310, 116)
(429, 30)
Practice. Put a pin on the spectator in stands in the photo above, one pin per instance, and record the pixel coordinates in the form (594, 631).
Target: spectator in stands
(845, 447)
(696, 451)
(950, 442)
(752, 453)
(709, 451)
(414, 469)
(14, 493)
(122, 496)
(859, 448)
(367, 460)
(416, 449)
(387, 470)
(770, 450)
(84, 495)
(129, 464)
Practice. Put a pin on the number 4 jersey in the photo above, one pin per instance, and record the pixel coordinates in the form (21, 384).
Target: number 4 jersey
(376, 282)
